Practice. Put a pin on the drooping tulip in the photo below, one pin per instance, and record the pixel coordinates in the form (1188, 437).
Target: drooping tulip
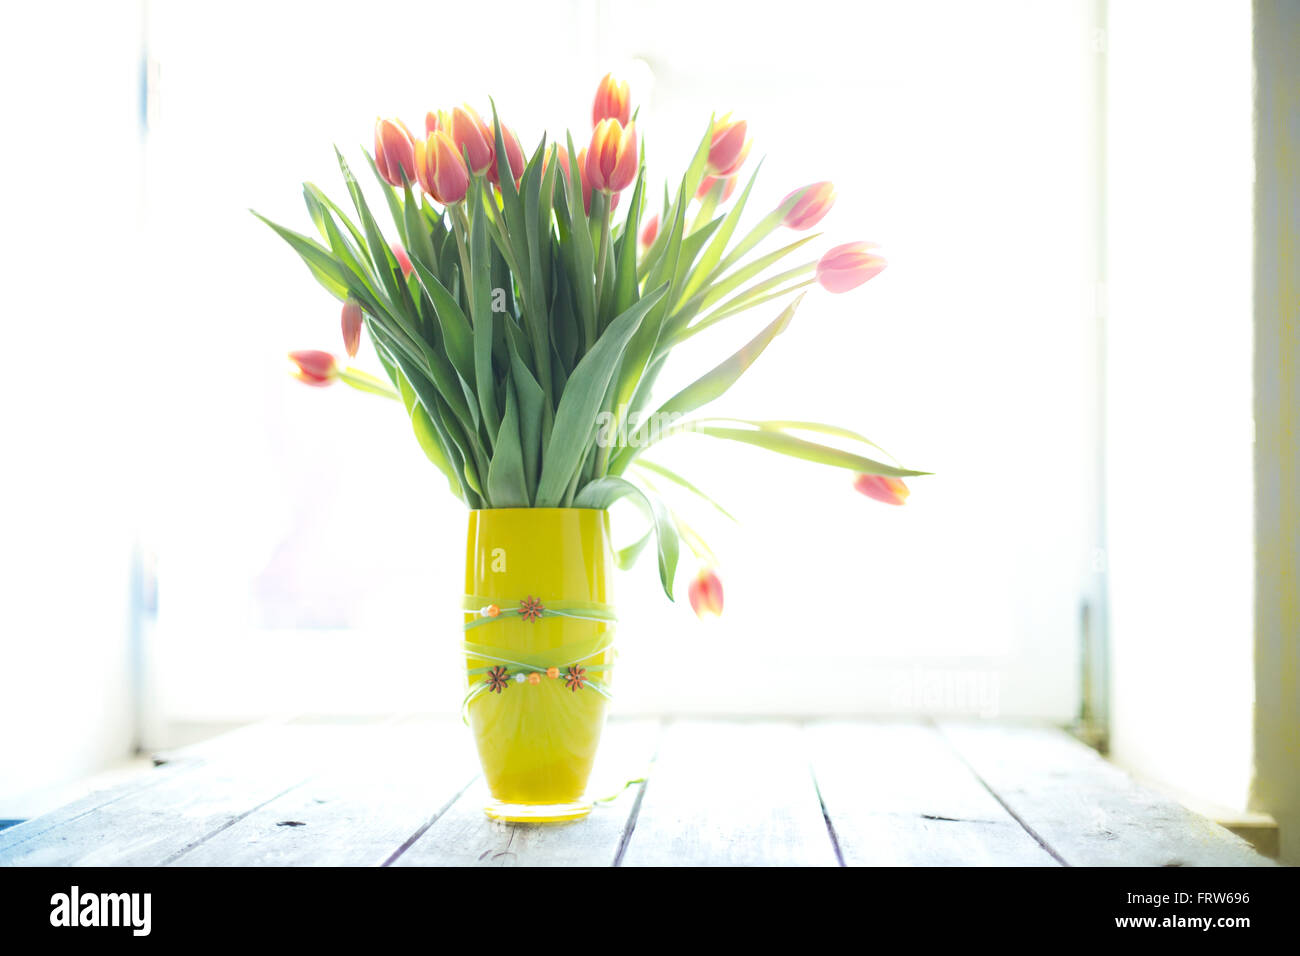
(352, 321)
(440, 168)
(650, 231)
(705, 593)
(313, 367)
(403, 260)
(470, 133)
(613, 101)
(514, 155)
(708, 182)
(612, 157)
(891, 491)
(728, 146)
(811, 207)
(394, 151)
(848, 266)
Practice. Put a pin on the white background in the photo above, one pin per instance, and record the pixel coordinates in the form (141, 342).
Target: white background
(296, 510)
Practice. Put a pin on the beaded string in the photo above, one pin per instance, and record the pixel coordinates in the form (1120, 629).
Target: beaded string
(507, 667)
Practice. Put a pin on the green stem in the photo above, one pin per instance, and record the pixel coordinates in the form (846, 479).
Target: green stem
(727, 312)
(600, 256)
(365, 382)
(460, 222)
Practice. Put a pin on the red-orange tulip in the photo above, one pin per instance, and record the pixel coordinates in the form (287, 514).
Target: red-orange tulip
(514, 155)
(435, 121)
(582, 179)
(728, 147)
(613, 101)
(612, 157)
(440, 168)
(811, 207)
(352, 326)
(650, 231)
(891, 491)
(848, 266)
(469, 132)
(562, 155)
(403, 260)
(313, 367)
(394, 151)
(706, 594)
(708, 182)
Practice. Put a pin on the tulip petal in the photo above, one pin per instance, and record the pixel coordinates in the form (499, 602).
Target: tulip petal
(883, 488)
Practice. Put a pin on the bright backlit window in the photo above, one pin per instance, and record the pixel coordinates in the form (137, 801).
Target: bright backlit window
(309, 558)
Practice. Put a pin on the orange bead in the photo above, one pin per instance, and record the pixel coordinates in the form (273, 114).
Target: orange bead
(534, 678)
(552, 672)
(492, 610)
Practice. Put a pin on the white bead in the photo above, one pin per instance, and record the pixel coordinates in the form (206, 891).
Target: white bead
(520, 678)
(483, 611)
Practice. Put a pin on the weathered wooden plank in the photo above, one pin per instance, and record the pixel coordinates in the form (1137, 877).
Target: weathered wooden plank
(463, 836)
(90, 803)
(1086, 809)
(169, 764)
(896, 794)
(360, 809)
(730, 794)
(151, 825)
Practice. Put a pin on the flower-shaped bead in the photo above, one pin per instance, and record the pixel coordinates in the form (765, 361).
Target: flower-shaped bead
(531, 608)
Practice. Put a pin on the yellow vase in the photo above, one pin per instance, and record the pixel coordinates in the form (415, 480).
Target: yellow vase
(536, 731)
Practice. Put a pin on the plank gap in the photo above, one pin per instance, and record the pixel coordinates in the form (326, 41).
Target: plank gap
(997, 796)
(230, 823)
(640, 795)
(410, 841)
(821, 800)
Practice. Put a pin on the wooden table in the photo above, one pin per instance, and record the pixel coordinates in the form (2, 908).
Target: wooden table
(405, 791)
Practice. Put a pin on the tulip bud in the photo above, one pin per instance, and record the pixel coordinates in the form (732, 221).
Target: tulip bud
(352, 325)
(612, 157)
(708, 182)
(848, 266)
(705, 594)
(814, 203)
(650, 231)
(613, 101)
(440, 168)
(470, 133)
(583, 180)
(403, 260)
(728, 147)
(394, 152)
(433, 122)
(514, 155)
(314, 368)
(891, 491)
(562, 155)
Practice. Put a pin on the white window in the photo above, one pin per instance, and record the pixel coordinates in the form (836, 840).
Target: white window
(309, 558)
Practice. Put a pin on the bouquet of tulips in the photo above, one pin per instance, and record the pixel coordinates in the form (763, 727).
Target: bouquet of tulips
(522, 325)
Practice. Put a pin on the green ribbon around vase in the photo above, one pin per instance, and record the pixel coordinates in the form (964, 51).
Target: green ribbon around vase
(546, 664)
